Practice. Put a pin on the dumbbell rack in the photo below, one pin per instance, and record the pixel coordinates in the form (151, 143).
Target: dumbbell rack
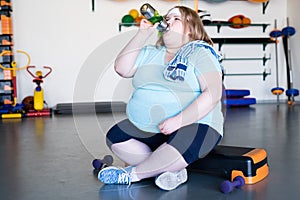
(6, 44)
(264, 59)
(219, 24)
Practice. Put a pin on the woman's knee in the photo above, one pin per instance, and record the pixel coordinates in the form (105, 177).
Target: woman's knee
(112, 136)
(117, 133)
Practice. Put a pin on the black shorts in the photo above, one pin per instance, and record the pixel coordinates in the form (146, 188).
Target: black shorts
(193, 141)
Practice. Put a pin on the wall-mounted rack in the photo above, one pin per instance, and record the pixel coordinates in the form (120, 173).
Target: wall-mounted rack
(6, 44)
(263, 41)
(219, 24)
(264, 6)
(264, 3)
(127, 25)
(264, 74)
(264, 59)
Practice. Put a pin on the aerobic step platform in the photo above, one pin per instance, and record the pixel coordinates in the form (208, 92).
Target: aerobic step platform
(231, 161)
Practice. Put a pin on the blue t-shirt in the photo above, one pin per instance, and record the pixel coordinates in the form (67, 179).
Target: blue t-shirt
(155, 98)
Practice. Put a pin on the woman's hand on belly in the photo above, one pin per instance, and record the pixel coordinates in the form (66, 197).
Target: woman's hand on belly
(170, 125)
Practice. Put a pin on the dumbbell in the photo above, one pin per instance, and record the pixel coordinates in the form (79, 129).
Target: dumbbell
(277, 90)
(288, 30)
(275, 33)
(100, 163)
(227, 186)
(292, 93)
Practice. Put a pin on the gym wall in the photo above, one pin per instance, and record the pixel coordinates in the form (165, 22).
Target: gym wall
(80, 45)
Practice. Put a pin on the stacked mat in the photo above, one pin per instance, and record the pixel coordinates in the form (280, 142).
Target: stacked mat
(238, 98)
(90, 107)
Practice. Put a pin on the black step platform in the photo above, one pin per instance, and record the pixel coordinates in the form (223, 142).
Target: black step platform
(231, 161)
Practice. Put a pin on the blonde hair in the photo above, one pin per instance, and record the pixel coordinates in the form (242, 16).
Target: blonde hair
(192, 21)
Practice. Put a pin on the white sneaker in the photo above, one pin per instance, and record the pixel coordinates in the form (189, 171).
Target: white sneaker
(171, 180)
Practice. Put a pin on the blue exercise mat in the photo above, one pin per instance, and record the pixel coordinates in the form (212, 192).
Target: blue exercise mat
(239, 102)
(234, 93)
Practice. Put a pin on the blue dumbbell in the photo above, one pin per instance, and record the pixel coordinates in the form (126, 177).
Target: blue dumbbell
(228, 186)
(100, 163)
(292, 92)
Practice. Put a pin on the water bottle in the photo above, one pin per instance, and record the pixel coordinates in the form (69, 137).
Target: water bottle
(153, 16)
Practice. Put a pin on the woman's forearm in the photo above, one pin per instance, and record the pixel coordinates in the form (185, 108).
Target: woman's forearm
(211, 85)
(125, 61)
(124, 64)
(197, 110)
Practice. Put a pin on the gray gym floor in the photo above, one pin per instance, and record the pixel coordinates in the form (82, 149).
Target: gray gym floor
(50, 158)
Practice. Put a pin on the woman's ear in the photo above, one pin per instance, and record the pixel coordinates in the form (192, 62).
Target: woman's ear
(190, 36)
